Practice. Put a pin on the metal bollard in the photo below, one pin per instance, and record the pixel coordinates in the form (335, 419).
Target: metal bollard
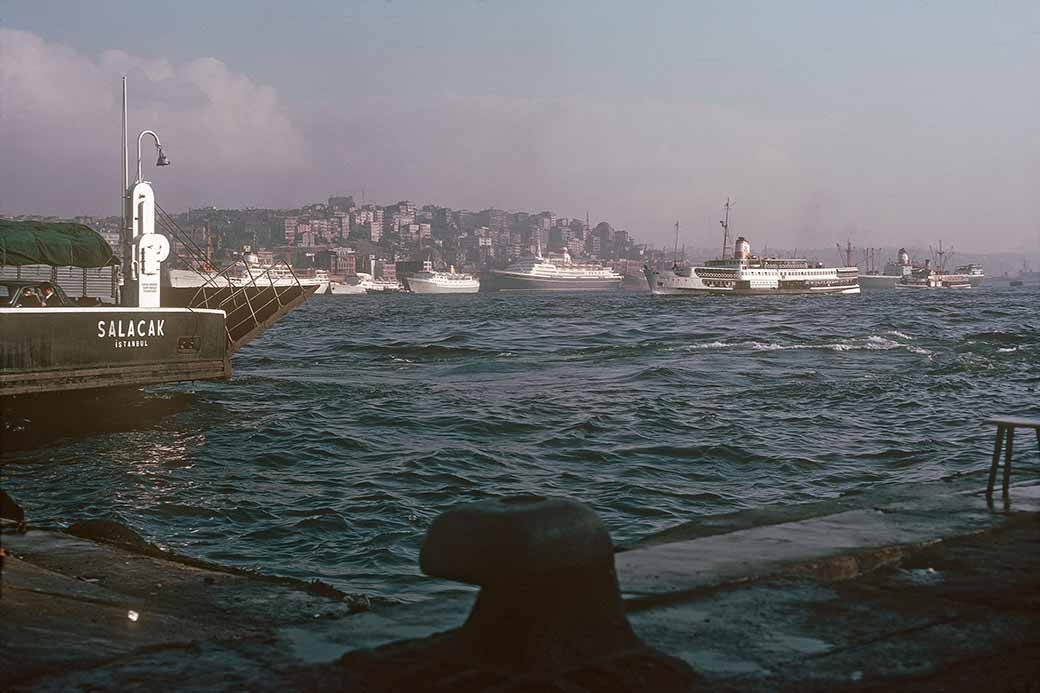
(549, 596)
(549, 615)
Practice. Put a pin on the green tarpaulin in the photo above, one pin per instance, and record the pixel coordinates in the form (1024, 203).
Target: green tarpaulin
(58, 244)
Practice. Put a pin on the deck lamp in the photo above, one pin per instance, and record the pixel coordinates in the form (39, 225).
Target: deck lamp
(162, 161)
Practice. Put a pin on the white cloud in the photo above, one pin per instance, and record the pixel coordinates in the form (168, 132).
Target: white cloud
(810, 177)
(230, 139)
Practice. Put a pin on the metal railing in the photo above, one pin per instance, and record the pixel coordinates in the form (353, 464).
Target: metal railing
(251, 297)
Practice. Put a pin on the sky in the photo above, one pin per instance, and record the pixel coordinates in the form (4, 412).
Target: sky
(882, 122)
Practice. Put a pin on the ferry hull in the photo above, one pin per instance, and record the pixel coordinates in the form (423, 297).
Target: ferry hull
(665, 284)
(57, 349)
(497, 280)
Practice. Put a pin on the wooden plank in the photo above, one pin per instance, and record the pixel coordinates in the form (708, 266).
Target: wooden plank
(1015, 421)
(119, 376)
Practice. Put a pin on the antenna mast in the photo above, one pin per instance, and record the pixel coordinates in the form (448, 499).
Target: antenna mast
(725, 228)
(675, 251)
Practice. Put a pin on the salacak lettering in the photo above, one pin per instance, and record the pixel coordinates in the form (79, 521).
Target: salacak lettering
(130, 328)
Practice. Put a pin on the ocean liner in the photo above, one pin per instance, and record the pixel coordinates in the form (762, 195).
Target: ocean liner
(560, 273)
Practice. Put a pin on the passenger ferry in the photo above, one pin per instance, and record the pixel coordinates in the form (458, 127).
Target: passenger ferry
(451, 282)
(560, 273)
(745, 274)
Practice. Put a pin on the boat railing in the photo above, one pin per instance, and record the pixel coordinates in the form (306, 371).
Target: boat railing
(250, 296)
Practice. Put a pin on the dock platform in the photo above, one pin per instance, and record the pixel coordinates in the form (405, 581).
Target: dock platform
(927, 587)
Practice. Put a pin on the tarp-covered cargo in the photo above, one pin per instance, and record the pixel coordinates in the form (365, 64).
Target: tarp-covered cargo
(59, 244)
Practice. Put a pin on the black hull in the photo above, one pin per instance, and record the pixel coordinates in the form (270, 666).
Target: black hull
(59, 349)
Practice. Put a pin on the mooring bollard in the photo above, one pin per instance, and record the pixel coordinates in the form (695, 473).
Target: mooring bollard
(549, 613)
(549, 596)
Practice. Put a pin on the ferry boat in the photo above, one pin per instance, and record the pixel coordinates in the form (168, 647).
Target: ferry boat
(559, 273)
(744, 274)
(451, 282)
(49, 346)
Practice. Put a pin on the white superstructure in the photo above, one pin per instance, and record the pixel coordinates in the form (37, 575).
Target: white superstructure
(250, 274)
(351, 285)
(746, 274)
(430, 282)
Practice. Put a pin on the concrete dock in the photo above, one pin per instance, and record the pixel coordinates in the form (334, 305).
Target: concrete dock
(923, 587)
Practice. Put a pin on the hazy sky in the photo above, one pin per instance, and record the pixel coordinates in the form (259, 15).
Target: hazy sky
(887, 122)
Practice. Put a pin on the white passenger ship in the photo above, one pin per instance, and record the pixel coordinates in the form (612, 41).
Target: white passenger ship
(745, 274)
(559, 273)
(250, 273)
(451, 282)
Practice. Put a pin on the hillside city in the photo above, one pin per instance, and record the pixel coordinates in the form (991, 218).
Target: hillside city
(344, 237)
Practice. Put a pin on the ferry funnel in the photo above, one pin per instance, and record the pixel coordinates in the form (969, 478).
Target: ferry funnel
(742, 249)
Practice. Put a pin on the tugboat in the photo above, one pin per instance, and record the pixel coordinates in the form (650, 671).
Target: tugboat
(744, 274)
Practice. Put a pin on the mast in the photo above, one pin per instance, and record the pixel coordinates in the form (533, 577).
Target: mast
(675, 251)
(124, 203)
(847, 251)
(725, 228)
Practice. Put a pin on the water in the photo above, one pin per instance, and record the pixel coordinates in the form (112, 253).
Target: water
(357, 419)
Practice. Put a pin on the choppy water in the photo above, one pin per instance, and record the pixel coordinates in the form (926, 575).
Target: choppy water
(356, 420)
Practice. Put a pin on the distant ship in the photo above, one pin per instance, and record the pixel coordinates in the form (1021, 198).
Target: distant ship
(559, 273)
(893, 273)
(381, 285)
(974, 273)
(430, 282)
(745, 274)
(349, 286)
(903, 274)
(250, 272)
(928, 277)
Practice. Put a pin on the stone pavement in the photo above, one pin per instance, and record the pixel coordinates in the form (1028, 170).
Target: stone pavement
(923, 587)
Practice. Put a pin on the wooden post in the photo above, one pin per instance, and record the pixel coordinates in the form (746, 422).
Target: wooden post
(997, 444)
(1007, 458)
